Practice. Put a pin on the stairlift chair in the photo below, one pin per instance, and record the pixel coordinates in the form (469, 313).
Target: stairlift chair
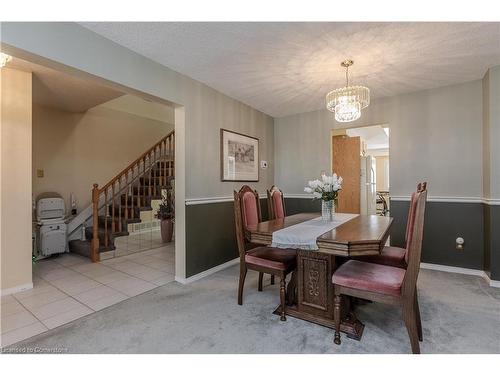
(52, 223)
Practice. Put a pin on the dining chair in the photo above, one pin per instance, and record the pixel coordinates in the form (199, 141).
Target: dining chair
(275, 203)
(263, 259)
(394, 255)
(387, 284)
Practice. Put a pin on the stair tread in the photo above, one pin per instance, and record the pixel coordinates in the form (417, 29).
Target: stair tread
(122, 211)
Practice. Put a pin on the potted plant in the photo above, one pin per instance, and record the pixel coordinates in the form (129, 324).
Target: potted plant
(326, 189)
(165, 213)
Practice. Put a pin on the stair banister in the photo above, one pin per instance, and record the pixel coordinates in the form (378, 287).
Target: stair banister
(94, 253)
(153, 155)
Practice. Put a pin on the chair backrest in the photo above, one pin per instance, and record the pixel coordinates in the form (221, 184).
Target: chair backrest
(275, 203)
(414, 246)
(421, 186)
(246, 212)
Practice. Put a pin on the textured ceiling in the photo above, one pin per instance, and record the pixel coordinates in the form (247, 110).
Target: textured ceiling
(374, 136)
(287, 68)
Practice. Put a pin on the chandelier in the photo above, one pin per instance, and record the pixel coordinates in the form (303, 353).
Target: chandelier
(4, 59)
(347, 102)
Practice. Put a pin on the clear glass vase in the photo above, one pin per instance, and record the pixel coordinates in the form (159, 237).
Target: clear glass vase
(327, 210)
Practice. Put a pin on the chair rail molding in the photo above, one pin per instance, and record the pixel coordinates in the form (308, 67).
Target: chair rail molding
(194, 201)
(450, 199)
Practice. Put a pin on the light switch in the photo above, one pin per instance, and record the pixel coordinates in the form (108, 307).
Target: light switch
(39, 172)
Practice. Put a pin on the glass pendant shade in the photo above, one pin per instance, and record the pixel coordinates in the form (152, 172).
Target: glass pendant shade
(347, 102)
(347, 110)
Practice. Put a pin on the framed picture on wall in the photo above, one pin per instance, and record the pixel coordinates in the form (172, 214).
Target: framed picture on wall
(239, 155)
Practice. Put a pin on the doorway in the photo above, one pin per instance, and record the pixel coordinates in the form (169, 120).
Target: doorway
(361, 156)
(86, 131)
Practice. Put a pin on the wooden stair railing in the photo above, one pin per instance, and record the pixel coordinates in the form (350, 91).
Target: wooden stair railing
(137, 183)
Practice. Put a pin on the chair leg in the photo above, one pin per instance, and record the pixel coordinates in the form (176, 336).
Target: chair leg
(336, 312)
(243, 274)
(261, 275)
(410, 319)
(272, 279)
(283, 298)
(419, 321)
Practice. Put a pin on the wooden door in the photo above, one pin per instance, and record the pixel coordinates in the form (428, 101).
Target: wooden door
(346, 163)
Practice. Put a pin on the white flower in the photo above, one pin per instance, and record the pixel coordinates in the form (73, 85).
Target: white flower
(308, 190)
(315, 184)
(316, 194)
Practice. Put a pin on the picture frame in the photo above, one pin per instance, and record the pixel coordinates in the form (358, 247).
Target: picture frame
(239, 157)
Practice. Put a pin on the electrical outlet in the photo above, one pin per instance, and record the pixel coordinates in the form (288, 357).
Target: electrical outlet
(39, 172)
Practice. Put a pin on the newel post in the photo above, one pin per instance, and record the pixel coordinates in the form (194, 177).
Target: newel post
(94, 248)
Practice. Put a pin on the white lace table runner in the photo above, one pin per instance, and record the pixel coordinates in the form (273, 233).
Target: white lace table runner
(303, 235)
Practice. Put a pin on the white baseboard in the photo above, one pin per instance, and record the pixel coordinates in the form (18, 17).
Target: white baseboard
(493, 283)
(463, 271)
(208, 272)
(429, 266)
(16, 289)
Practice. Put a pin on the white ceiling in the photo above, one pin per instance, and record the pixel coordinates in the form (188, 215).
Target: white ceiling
(59, 90)
(287, 68)
(374, 136)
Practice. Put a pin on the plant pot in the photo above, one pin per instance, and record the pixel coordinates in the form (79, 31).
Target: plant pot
(167, 230)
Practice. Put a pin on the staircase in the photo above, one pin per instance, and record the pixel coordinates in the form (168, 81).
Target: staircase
(120, 201)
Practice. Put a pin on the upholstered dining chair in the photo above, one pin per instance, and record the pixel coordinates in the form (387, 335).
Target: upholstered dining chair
(386, 284)
(393, 255)
(263, 259)
(275, 203)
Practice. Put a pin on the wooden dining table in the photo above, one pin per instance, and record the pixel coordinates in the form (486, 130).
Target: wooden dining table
(310, 289)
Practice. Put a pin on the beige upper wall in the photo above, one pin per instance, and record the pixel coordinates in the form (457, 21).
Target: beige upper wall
(491, 133)
(486, 136)
(436, 135)
(15, 179)
(76, 150)
(140, 107)
(206, 110)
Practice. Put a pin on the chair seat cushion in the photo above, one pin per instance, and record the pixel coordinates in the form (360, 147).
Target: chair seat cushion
(272, 258)
(370, 277)
(390, 256)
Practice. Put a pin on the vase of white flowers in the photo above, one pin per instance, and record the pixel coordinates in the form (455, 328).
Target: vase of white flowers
(326, 189)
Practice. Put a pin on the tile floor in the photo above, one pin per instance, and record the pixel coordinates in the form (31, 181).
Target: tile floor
(70, 286)
(138, 242)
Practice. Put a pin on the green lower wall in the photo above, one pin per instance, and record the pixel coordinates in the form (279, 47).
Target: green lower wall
(444, 222)
(487, 238)
(297, 205)
(492, 241)
(210, 233)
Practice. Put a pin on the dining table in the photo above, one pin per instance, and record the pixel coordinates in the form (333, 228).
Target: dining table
(310, 290)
